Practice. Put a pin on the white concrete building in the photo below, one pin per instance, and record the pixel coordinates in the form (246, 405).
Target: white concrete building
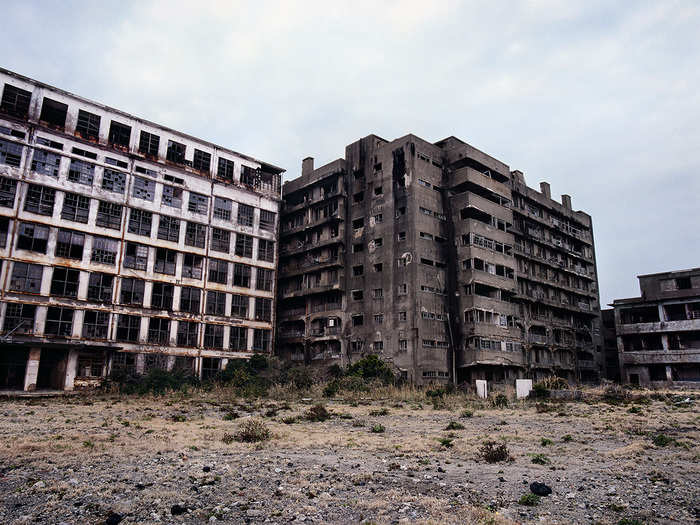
(126, 245)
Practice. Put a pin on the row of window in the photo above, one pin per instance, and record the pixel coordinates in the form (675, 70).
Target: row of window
(16, 102)
(20, 318)
(42, 199)
(27, 278)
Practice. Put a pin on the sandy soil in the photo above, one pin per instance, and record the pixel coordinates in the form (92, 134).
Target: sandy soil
(102, 459)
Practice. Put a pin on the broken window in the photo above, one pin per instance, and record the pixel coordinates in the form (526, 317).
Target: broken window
(40, 200)
(109, 215)
(358, 197)
(69, 244)
(187, 333)
(119, 134)
(241, 275)
(26, 277)
(239, 306)
(250, 176)
(144, 188)
(159, 330)
(238, 339)
(46, 162)
(162, 296)
(169, 228)
(267, 220)
(261, 340)
(149, 143)
(100, 287)
(8, 189)
(65, 281)
(213, 336)
(166, 261)
(19, 318)
(104, 250)
(222, 208)
(114, 181)
(225, 170)
(172, 197)
(220, 240)
(136, 256)
(358, 270)
(263, 279)
(358, 320)
(357, 295)
(140, 222)
(33, 237)
(190, 299)
(266, 250)
(176, 152)
(192, 266)
(132, 291)
(53, 113)
(402, 316)
(75, 208)
(195, 234)
(59, 321)
(263, 309)
(128, 328)
(198, 203)
(4, 229)
(218, 271)
(10, 153)
(245, 215)
(88, 126)
(201, 160)
(81, 172)
(244, 245)
(15, 101)
(216, 303)
(95, 324)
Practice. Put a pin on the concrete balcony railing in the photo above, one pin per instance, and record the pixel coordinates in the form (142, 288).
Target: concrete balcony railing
(662, 326)
(538, 339)
(691, 355)
(473, 356)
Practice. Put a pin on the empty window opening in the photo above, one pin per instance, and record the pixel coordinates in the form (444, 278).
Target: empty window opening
(53, 113)
(88, 126)
(119, 134)
(76, 208)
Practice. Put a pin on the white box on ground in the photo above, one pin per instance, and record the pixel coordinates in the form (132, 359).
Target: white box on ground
(481, 388)
(523, 387)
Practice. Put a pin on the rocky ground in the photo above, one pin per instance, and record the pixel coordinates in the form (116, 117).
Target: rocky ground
(107, 459)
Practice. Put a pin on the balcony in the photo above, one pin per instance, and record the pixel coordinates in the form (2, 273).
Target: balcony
(538, 339)
(290, 334)
(585, 363)
(689, 356)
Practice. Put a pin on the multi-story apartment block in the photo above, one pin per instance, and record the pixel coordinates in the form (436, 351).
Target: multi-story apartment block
(658, 334)
(439, 259)
(126, 245)
(612, 360)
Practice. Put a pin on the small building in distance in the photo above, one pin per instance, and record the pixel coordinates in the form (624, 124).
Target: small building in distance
(658, 334)
(126, 245)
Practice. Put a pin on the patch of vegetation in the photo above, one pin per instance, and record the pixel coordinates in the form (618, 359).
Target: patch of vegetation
(454, 425)
(227, 438)
(371, 367)
(88, 444)
(634, 410)
(358, 423)
(467, 413)
(156, 381)
(252, 431)
(662, 440)
(500, 401)
(529, 499)
(230, 415)
(178, 418)
(567, 438)
(539, 459)
(446, 442)
(493, 452)
(377, 429)
(317, 413)
(289, 420)
(546, 442)
(379, 412)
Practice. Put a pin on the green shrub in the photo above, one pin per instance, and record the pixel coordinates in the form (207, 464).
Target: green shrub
(230, 415)
(634, 410)
(546, 442)
(317, 412)
(539, 391)
(252, 431)
(493, 452)
(156, 381)
(567, 438)
(446, 442)
(539, 459)
(371, 367)
(377, 429)
(300, 377)
(454, 425)
(336, 371)
(500, 401)
(258, 362)
(331, 389)
(467, 413)
(661, 440)
(529, 499)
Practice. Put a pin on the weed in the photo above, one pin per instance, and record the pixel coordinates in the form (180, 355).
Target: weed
(446, 442)
(88, 444)
(467, 413)
(529, 499)
(634, 410)
(493, 452)
(377, 429)
(380, 412)
(289, 420)
(567, 438)
(231, 415)
(500, 401)
(178, 418)
(539, 459)
(454, 425)
(358, 423)
(661, 440)
(546, 442)
(227, 438)
(317, 413)
(252, 431)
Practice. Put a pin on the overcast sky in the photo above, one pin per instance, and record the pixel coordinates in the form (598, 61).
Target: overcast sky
(601, 100)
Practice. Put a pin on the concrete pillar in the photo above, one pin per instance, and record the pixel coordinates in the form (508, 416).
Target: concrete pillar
(140, 364)
(669, 374)
(32, 372)
(71, 369)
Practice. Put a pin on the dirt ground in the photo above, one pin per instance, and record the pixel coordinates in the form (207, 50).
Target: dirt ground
(170, 459)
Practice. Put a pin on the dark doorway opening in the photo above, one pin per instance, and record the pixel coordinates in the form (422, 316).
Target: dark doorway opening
(13, 366)
(52, 369)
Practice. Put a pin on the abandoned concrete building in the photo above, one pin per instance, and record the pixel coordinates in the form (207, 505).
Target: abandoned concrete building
(612, 359)
(126, 245)
(658, 334)
(439, 259)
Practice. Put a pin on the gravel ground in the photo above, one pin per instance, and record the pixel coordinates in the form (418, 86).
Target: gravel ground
(167, 460)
